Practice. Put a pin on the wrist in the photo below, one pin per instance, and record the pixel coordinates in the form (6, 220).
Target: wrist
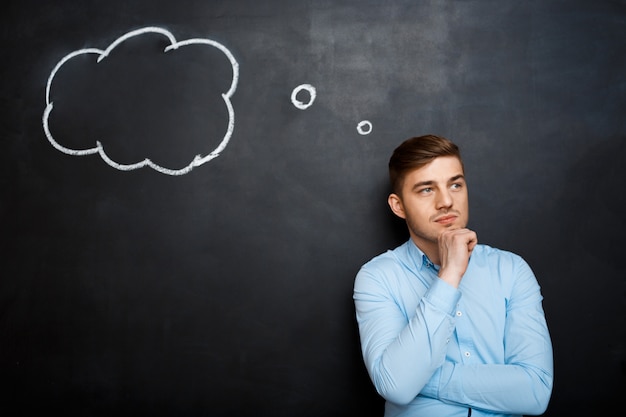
(450, 277)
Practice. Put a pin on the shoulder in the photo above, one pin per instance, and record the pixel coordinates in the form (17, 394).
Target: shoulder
(392, 276)
(508, 268)
(390, 268)
(503, 259)
(390, 260)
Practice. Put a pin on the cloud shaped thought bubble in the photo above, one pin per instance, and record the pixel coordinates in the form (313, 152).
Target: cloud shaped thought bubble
(101, 56)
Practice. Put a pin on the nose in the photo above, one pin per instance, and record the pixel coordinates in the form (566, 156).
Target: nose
(444, 199)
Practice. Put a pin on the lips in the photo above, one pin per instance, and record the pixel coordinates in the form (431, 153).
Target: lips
(446, 219)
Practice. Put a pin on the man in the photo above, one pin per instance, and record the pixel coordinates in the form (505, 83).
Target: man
(449, 327)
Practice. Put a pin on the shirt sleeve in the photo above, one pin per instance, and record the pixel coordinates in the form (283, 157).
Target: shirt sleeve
(401, 355)
(523, 383)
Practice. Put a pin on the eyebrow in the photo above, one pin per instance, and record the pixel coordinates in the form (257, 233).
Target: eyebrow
(431, 182)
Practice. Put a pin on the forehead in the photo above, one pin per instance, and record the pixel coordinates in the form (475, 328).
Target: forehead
(440, 169)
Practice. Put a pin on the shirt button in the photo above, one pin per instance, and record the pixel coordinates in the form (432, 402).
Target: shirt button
(459, 314)
(467, 354)
(447, 340)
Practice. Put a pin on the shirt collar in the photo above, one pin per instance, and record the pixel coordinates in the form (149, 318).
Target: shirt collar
(417, 254)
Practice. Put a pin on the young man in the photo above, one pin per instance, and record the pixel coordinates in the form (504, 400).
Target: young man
(449, 327)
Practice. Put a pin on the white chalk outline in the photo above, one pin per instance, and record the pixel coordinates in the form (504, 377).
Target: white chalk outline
(299, 104)
(361, 125)
(199, 159)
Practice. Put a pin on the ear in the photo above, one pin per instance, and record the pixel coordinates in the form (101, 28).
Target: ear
(395, 204)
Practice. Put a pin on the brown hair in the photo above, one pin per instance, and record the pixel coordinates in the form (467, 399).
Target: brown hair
(416, 152)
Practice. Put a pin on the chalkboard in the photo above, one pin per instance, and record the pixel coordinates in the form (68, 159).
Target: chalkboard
(189, 188)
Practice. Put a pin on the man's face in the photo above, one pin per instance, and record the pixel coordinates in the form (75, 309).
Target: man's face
(433, 199)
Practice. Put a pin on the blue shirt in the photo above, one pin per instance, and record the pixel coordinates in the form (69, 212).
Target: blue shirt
(434, 350)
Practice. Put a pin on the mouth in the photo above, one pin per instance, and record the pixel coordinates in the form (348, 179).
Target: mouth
(446, 220)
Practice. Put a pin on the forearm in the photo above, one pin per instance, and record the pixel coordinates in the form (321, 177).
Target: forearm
(401, 357)
(521, 384)
(513, 389)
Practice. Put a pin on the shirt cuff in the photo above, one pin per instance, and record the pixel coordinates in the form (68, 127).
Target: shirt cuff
(443, 296)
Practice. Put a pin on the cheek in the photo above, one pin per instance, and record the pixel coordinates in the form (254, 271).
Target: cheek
(417, 214)
(462, 201)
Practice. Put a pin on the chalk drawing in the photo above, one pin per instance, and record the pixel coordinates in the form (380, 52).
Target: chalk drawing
(300, 104)
(364, 127)
(174, 44)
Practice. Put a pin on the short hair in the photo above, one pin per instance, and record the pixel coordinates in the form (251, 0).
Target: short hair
(416, 152)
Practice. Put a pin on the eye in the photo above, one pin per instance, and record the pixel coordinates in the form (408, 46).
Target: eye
(456, 186)
(426, 190)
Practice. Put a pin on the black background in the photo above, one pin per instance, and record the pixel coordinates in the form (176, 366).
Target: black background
(227, 291)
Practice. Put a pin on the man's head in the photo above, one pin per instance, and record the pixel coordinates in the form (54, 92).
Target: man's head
(416, 152)
(428, 189)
